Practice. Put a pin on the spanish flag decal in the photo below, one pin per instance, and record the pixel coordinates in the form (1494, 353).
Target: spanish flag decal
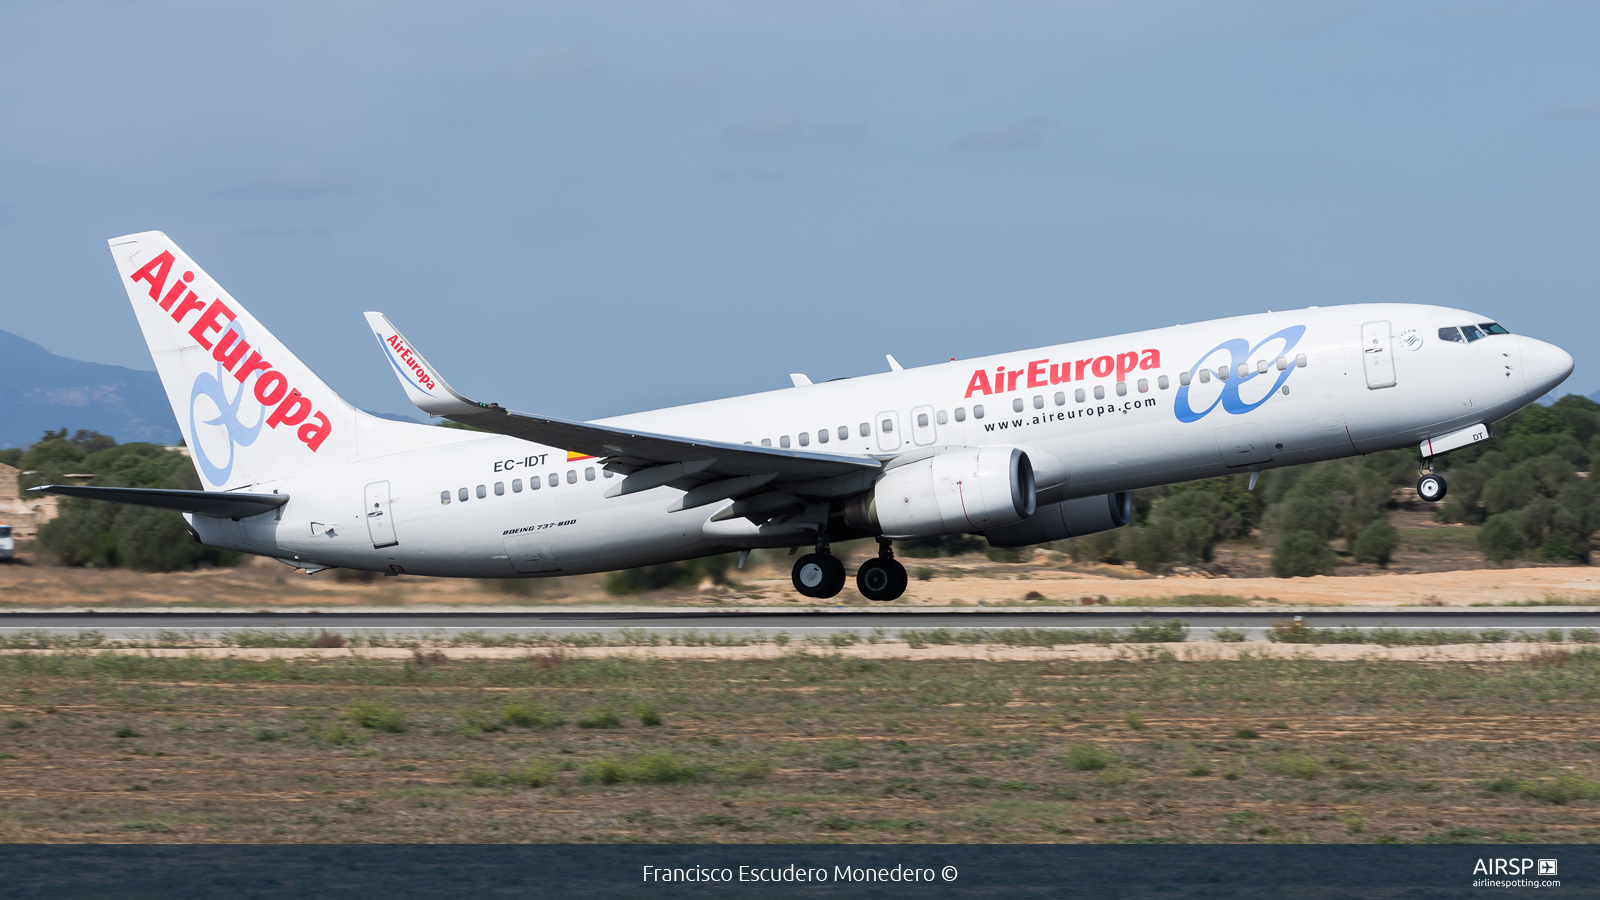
(573, 457)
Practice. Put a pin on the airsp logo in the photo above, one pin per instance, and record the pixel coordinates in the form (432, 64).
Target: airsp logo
(1547, 867)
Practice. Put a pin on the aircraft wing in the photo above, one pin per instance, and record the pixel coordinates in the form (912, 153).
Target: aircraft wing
(627, 451)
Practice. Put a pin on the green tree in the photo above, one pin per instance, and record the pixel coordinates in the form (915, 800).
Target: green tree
(1376, 543)
(1302, 553)
(99, 534)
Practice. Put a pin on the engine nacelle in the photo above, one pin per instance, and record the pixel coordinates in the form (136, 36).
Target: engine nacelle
(1069, 518)
(972, 489)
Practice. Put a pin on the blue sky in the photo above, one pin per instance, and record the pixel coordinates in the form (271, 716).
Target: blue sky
(588, 209)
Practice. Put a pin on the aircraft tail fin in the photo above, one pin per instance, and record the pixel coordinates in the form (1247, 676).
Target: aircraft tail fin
(250, 411)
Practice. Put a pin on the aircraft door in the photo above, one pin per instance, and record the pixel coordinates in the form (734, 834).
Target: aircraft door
(380, 521)
(888, 427)
(1377, 354)
(922, 427)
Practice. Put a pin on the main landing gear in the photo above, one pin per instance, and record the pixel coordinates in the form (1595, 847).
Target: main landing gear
(882, 578)
(819, 575)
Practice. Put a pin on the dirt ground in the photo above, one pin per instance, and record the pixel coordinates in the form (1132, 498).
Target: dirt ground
(1044, 579)
(801, 748)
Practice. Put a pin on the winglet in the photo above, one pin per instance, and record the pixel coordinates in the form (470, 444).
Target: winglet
(894, 364)
(422, 382)
(799, 380)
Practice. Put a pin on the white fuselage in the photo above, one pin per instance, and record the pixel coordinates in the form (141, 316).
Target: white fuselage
(1336, 393)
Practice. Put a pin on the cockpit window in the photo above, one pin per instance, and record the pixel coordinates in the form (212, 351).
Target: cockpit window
(1472, 332)
(1493, 328)
(1450, 334)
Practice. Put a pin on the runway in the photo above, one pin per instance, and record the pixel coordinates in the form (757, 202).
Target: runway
(1255, 622)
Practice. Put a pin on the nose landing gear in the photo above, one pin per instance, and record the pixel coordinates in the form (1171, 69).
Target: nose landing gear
(1431, 487)
(882, 578)
(819, 575)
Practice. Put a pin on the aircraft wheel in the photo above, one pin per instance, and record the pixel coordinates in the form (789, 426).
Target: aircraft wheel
(881, 579)
(1431, 488)
(818, 575)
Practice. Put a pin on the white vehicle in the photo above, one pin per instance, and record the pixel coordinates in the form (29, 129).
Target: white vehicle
(1023, 447)
(8, 544)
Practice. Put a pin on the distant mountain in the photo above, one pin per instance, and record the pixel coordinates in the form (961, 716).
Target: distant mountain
(1595, 396)
(45, 391)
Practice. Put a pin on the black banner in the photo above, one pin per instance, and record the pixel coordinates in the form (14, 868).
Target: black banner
(173, 872)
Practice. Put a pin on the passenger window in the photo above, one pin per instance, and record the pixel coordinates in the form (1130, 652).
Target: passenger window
(1079, 396)
(888, 426)
(1283, 363)
(1262, 367)
(533, 483)
(1144, 385)
(572, 476)
(499, 488)
(1472, 332)
(822, 436)
(1205, 376)
(1122, 389)
(866, 429)
(977, 410)
(844, 431)
(943, 418)
(1099, 392)
(961, 414)
(588, 473)
(1016, 405)
(1038, 401)
(483, 491)
(554, 479)
(1244, 369)
(1452, 334)
(1183, 378)
(784, 442)
(1163, 383)
(1300, 360)
(1222, 372)
(516, 485)
(444, 497)
(606, 473)
(922, 420)
(766, 442)
(462, 494)
(1061, 398)
(805, 438)
(1493, 328)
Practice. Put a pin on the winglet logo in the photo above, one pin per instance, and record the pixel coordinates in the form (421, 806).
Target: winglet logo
(1239, 353)
(407, 364)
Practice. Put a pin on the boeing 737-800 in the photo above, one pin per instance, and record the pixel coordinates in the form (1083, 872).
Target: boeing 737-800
(1022, 448)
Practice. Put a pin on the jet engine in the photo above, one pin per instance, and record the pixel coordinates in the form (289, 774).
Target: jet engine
(965, 490)
(1068, 518)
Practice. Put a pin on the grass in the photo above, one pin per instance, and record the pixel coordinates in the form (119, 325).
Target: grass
(1146, 748)
(378, 716)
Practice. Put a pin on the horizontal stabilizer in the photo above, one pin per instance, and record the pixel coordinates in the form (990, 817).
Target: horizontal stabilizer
(202, 503)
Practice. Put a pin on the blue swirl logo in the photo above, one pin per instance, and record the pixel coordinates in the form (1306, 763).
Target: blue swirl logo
(1239, 353)
(214, 388)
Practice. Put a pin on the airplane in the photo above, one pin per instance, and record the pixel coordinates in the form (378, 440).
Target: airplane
(1022, 448)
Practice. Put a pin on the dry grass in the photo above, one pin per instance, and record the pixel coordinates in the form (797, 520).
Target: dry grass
(808, 747)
